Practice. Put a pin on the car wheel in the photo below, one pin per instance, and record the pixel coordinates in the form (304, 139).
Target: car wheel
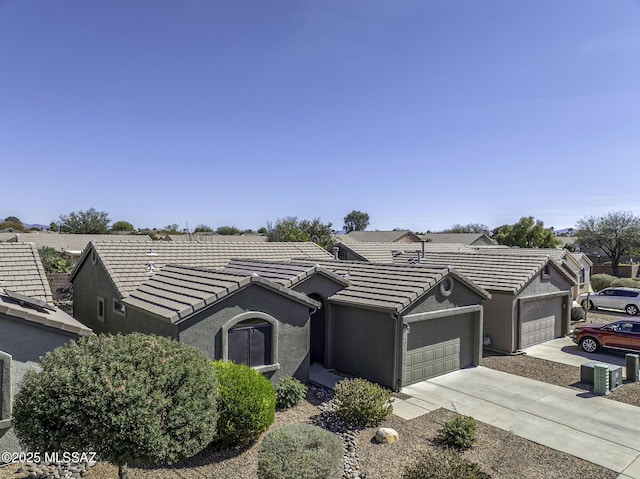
(631, 309)
(587, 305)
(589, 345)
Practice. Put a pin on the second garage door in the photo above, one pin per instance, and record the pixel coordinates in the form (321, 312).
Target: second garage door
(438, 346)
(540, 320)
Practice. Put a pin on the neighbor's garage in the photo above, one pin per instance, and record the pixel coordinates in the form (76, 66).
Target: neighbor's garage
(540, 318)
(438, 346)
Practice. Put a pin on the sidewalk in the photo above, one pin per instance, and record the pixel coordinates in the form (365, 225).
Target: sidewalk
(590, 427)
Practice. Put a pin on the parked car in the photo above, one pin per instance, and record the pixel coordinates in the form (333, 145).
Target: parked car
(623, 334)
(624, 299)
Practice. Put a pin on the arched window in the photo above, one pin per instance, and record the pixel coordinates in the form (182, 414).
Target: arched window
(251, 339)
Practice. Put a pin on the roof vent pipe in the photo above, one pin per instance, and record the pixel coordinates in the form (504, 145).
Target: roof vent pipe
(335, 252)
(423, 242)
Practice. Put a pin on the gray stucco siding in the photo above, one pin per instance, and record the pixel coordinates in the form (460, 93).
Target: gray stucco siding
(320, 285)
(25, 342)
(435, 300)
(204, 330)
(364, 344)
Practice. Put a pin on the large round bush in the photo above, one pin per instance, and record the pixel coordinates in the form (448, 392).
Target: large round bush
(300, 451)
(246, 402)
(132, 398)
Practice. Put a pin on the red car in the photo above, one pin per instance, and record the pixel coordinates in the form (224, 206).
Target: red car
(623, 334)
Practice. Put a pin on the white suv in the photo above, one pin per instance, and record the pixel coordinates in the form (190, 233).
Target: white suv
(625, 299)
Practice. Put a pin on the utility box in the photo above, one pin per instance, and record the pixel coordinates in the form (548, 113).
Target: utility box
(587, 374)
(601, 379)
(632, 362)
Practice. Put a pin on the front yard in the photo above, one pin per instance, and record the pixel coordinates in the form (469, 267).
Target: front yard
(499, 453)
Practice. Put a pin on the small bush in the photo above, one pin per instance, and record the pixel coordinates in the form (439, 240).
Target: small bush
(577, 313)
(246, 403)
(459, 432)
(300, 451)
(362, 403)
(289, 392)
(601, 281)
(444, 465)
(625, 283)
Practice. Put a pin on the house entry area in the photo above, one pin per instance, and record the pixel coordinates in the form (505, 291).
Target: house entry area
(439, 346)
(318, 332)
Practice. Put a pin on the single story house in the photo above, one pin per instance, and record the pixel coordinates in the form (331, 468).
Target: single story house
(395, 236)
(471, 239)
(392, 324)
(30, 326)
(531, 294)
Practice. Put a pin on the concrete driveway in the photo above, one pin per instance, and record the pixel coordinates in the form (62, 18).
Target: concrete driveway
(593, 428)
(563, 350)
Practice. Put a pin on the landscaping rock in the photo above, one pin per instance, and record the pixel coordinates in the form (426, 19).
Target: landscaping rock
(386, 435)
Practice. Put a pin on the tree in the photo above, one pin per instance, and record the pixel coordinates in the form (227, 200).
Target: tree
(286, 229)
(615, 233)
(53, 226)
(526, 233)
(228, 230)
(122, 226)
(54, 262)
(13, 219)
(172, 229)
(263, 231)
(290, 229)
(12, 225)
(203, 229)
(356, 221)
(132, 398)
(85, 222)
(469, 228)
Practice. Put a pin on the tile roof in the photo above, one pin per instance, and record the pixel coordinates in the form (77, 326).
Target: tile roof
(377, 286)
(21, 271)
(381, 252)
(458, 238)
(494, 271)
(177, 292)
(72, 243)
(213, 238)
(128, 263)
(383, 236)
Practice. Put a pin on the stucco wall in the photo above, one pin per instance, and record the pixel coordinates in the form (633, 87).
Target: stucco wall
(434, 300)
(363, 343)
(26, 342)
(204, 330)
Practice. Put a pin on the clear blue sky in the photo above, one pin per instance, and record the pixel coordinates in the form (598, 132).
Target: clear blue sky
(421, 113)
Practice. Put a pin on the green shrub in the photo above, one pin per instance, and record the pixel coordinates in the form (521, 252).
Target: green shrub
(362, 403)
(289, 392)
(444, 465)
(459, 432)
(300, 451)
(601, 281)
(129, 398)
(246, 403)
(577, 313)
(625, 283)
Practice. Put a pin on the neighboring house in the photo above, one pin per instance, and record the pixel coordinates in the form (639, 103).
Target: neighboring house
(215, 237)
(395, 236)
(30, 326)
(531, 295)
(381, 252)
(71, 245)
(392, 324)
(471, 239)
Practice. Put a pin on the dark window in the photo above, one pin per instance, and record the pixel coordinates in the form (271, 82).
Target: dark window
(5, 390)
(100, 311)
(250, 344)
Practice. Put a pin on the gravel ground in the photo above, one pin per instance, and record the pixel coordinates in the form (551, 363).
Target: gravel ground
(498, 452)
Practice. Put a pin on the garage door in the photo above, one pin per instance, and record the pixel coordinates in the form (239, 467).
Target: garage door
(540, 320)
(438, 346)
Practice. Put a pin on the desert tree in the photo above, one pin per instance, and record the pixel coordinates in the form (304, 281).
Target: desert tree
(356, 221)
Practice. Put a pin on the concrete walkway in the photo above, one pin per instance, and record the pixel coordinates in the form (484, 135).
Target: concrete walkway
(563, 350)
(590, 427)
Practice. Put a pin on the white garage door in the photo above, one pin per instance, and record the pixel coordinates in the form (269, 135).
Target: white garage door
(438, 346)
(540, 320)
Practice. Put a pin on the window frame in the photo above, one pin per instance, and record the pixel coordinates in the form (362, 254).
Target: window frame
(275, 365)
(101, 311)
